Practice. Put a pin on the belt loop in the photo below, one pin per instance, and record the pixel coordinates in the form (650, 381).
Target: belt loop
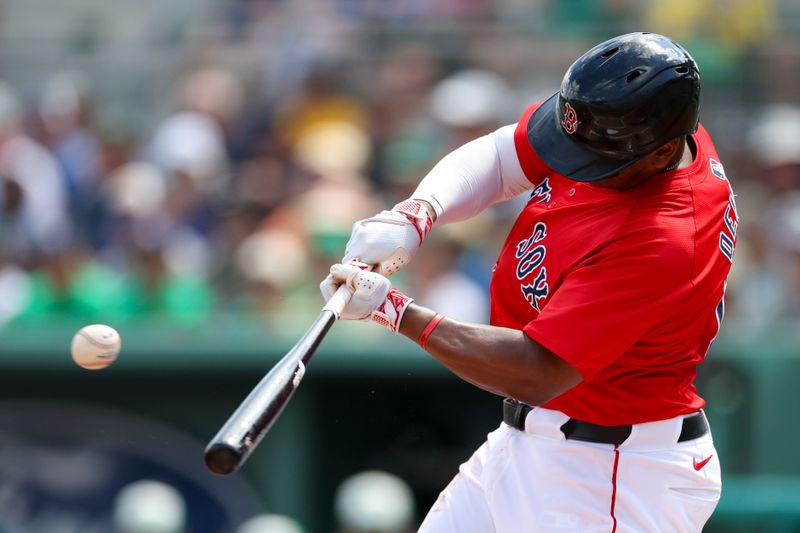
(514, 413)
(694, 426)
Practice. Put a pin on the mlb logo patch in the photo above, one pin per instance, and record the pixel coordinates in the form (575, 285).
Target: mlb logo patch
(717, 168)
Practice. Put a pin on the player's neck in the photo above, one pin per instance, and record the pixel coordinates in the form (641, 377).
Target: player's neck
(643, 171)
(687, 155)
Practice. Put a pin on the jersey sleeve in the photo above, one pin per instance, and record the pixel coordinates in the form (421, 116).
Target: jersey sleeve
(610, 302)
(533, 167)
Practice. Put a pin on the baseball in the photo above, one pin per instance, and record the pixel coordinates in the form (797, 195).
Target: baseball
(96, 346)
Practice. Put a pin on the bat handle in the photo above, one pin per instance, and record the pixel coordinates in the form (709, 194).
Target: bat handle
(342, 295)
(338, 301)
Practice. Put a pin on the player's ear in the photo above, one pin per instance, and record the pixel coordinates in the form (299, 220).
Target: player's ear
(667, 152)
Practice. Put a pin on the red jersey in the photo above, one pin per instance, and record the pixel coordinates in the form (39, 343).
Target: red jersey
(626, 286)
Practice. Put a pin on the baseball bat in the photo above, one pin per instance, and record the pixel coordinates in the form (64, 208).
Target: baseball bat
(240, 435)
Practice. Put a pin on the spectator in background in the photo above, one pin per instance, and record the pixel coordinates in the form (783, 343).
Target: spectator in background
(189, 146)
(65, 112)
(774, 140)
(782, 221)
(765, 283)
(163, 266)
(35, 222)
(171, 245)
(720, 31)
(484, 100)
(406, 139)
(310, 228)
(266, 284)
(319, 101)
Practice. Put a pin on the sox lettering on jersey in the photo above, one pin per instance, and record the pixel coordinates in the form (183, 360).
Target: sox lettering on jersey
(530, 258)
(541, 193)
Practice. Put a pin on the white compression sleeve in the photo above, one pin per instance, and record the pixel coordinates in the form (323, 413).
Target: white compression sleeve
(473, 177)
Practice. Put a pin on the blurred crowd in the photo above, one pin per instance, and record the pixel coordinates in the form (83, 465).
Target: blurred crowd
(285, 122)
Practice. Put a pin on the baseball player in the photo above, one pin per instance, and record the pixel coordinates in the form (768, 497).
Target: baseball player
(604, 298)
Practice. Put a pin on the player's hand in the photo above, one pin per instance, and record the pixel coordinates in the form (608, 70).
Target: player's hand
(389, 240)
(373, 296)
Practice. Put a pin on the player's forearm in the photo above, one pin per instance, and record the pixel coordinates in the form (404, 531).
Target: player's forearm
(471, 178)
(500, 360)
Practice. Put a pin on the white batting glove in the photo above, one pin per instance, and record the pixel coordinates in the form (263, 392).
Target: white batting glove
(390, 239)
(386, 241)
(373, 296)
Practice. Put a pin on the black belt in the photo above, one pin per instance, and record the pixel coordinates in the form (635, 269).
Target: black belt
(514, 413)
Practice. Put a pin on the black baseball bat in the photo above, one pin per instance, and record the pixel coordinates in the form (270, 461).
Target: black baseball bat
(240, 435)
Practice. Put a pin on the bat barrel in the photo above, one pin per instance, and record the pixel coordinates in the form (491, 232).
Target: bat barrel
(232, 445)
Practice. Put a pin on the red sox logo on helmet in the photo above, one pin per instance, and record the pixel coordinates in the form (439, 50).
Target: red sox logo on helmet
(570, 122)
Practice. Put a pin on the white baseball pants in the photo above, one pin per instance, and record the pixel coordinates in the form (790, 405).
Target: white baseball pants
(537, 481)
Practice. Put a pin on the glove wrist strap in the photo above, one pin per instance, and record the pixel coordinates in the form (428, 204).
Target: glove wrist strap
(390, 313)
(418, 215)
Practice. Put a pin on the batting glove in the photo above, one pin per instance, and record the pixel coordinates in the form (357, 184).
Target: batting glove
(373, 296)
(390, 239)
(386, 241)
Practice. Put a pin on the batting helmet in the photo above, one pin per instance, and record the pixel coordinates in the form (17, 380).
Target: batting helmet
(618, 102)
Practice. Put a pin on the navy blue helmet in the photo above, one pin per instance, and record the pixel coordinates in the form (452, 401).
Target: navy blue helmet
(618, 102)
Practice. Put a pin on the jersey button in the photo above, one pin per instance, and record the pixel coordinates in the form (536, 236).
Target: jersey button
(571, 192)
(551, 205)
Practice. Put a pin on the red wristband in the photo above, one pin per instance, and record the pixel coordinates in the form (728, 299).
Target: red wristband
(423, 339)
